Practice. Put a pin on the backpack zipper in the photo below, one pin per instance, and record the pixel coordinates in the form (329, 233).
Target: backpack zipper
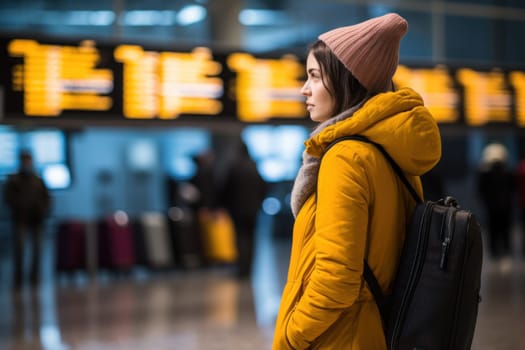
(445, 245)
(414, 273)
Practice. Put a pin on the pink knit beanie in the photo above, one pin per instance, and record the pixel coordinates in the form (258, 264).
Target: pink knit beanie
(370, 49)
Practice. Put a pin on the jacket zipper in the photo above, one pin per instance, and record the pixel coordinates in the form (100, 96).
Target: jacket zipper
(414, 273)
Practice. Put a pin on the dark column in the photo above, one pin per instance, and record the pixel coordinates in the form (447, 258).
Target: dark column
(225, 29)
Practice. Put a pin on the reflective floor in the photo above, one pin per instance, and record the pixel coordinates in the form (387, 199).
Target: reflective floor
(204, 308)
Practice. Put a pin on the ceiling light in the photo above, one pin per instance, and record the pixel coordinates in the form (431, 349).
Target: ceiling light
(191, 14)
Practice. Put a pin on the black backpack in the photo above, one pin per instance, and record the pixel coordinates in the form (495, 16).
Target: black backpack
(435, 295)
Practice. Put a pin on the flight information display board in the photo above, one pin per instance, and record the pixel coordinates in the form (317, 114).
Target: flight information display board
(436, 86)
(166, 85)
(47, 80)
(469, 96)
(517, 81)
(487, 97)
(92, 81)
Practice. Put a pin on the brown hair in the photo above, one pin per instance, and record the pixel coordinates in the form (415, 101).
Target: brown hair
(346, 90)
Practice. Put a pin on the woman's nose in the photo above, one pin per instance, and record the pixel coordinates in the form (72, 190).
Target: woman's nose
(305, 90)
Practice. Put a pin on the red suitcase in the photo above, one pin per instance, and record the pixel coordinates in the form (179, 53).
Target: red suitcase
(115, 242)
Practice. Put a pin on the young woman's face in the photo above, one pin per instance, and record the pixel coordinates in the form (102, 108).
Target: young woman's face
(319, 102)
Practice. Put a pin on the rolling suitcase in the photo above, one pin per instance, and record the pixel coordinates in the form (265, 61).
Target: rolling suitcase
(158, 245)
(218, 236)
(185, 234)
(70, 246)
(139, 243)
(115, 243)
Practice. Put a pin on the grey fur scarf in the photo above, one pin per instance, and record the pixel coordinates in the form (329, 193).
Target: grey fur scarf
(306, 180)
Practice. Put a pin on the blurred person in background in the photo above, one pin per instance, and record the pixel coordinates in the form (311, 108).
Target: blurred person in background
(496, 185)
(242, 195)
(28, 199)
(204, 180)
(201, 195)
(520, 182)
(351, 206)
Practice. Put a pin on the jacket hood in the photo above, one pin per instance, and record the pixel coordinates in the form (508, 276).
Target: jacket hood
(399, 122)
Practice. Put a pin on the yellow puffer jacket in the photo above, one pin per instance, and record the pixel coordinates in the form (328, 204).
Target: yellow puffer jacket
(361, 211)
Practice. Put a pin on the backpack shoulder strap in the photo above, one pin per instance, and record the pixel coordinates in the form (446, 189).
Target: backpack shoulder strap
(378, 294)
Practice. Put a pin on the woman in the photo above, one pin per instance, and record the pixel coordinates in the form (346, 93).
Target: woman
(352, 206)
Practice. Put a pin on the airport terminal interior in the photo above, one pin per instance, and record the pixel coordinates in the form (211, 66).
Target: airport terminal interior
(127, 105)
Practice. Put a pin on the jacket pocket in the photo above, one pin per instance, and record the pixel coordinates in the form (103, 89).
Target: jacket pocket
(286, 323)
